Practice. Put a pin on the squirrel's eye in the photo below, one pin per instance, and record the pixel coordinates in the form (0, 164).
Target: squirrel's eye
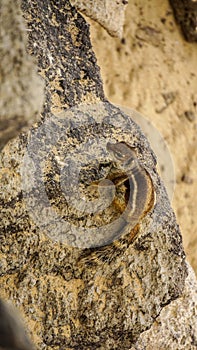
(119, 155)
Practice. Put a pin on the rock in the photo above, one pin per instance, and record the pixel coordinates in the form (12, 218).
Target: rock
(75, 296)
(185, 12)
(21, 88)
(110, 14)
(176, 326)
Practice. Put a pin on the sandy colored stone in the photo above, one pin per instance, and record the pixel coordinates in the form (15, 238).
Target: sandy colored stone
(176, 326)
(71, 297)
(21, 87)
(149, 269)
(138, 74)
(110, 14)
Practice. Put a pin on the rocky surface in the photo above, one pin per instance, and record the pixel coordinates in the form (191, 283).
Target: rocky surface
(185, 12)
(153, 70)
(74, 297)
(86, 286)
(176, 326)
(21, 88)
(110, 14)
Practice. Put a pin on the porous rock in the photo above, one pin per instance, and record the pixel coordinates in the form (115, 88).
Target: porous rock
(176, 326)
(109, 14)
(185, 12)
(73, 297)
(127, 285)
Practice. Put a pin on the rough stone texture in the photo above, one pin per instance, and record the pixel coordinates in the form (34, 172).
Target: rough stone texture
(80, 298)
(21, 89)
(108, 13)
(176, 326)
(145, 73)
(59, 39)
(83, 289)
(185, 12)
